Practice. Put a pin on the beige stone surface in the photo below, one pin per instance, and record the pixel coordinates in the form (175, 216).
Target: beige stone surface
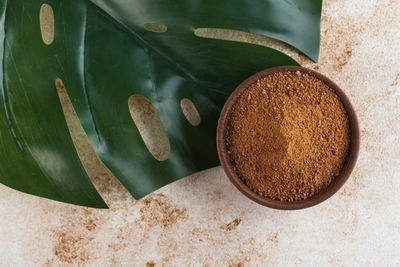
(203, 220)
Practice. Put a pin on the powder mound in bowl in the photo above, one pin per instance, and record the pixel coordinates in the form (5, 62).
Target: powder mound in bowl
(287, 136)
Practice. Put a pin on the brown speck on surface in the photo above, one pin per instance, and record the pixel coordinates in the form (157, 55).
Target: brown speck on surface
(150, 264)
(344, 58)
(232, 225)
(396, 80)
(71, 249)
(120, 244)
(159, 211)
(337, 51)
(90, 225)
(344, 192)
(273, 237)
(73, 238)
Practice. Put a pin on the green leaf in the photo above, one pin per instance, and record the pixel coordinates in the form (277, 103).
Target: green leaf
(37, 154)
(296, 22)
(103, 61)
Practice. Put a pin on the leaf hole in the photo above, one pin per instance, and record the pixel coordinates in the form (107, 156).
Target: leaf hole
(47, 23)
(155, 27)
(149, 126)
(246, 37)
(190, 112)
(90, 160)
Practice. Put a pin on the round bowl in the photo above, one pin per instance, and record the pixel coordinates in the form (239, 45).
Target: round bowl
(322, 195)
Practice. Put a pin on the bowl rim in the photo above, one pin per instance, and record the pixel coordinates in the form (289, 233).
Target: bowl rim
(324, 194)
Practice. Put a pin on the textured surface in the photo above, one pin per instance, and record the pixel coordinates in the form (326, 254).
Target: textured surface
(203, 219)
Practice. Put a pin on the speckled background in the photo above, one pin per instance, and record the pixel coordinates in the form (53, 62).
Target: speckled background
(203, 220)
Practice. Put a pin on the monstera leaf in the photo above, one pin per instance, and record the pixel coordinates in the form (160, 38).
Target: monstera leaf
(109, 54)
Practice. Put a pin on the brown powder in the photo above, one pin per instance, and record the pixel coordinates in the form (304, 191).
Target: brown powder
(232, 225)
(158, 210)
(288, 136)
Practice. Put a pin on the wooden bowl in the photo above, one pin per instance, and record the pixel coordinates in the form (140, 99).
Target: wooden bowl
(322, 195)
